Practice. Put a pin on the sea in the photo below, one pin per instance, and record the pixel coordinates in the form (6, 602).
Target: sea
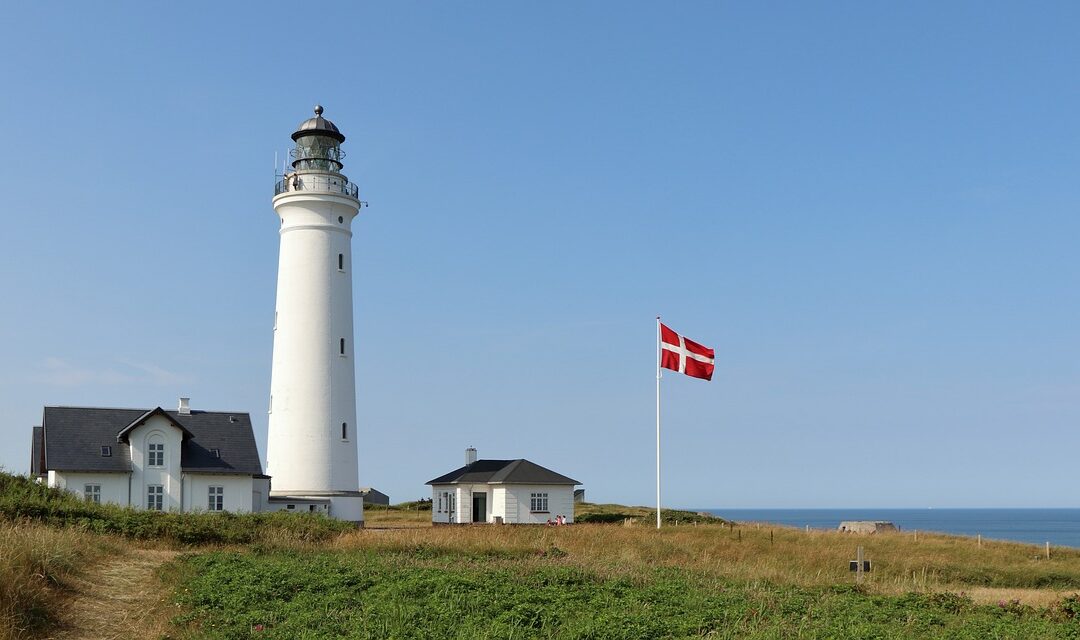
(1059, 527)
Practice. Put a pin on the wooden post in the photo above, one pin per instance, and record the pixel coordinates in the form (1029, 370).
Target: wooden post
(770, 536)
(916, 535)
(980, 541)
(858, 566)
(1047, 549)
(740, 535)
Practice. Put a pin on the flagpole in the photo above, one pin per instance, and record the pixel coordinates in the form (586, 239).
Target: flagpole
(657, 422)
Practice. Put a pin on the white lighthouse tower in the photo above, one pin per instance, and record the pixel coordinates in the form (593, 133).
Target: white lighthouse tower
(312, 447)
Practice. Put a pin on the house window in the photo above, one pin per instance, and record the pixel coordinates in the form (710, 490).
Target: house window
(341, 262)
(157, 454)
(217, 499)
(344, 430)
(215, 453)
(106, 452)
(441, 495)
(155, 497)
(538, 502)
(92, 493)
(341, 348)
(290, 506)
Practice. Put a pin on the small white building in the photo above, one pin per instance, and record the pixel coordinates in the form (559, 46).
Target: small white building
(501, 491)
(180, 460)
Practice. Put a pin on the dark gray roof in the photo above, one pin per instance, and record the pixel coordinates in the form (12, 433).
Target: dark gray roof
(318, 126)
(518, 471)
(73, 437)
(122, 436)
(37, 452)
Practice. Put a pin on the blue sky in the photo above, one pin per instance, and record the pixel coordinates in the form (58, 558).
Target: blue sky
(868, 209)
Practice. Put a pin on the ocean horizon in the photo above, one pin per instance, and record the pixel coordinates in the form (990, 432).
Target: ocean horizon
(1058, 526)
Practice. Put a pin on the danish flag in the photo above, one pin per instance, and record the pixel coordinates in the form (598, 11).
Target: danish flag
(684, 355)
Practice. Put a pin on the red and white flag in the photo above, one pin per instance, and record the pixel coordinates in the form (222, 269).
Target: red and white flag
(684, 355)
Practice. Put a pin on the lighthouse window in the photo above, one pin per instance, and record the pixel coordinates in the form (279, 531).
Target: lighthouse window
(340, 219)
(344, 430)
(341, 261)
(342, 346)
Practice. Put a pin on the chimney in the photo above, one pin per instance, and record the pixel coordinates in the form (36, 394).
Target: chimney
(185, 407)
(470, 455)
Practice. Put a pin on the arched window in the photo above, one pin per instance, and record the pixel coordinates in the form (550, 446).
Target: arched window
(155, 451)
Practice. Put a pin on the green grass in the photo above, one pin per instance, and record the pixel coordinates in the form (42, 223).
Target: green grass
(418, 594)
(23, 499)
(590, 513)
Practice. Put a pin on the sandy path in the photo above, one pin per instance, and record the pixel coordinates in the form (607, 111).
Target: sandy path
(120, 598)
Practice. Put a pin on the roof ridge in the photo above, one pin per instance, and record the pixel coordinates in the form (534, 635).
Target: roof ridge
(71, 406)
(194, 411)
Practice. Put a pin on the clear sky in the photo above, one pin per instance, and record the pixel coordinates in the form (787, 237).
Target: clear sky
(868, 209)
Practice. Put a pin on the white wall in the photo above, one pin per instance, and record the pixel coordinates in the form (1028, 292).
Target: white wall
(143, 475)
(114, 486)
(498, 502)
(312, 386)
(518, 497)
(237, 491)
(440, 514)
(260, 494)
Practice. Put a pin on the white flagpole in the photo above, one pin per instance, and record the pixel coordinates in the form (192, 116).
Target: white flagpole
(657, 422)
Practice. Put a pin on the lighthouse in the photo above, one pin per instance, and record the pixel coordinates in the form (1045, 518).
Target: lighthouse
(312, 444)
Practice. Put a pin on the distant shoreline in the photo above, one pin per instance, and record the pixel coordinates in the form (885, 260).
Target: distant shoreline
(1031, 525)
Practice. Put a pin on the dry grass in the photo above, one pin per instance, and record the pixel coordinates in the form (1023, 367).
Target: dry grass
(379, 517)
(996, 571)
(121, 597)
(37, 568)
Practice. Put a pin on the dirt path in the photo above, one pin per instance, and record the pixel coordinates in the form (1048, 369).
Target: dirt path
(116, 600)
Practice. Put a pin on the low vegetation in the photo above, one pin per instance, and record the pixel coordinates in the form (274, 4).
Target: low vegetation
(587, 512)
(300, 576)
(24, 499)
(427, 592)
(36, 563)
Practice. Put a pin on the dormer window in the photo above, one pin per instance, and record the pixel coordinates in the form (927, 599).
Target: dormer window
(215, 453)
(106, 452)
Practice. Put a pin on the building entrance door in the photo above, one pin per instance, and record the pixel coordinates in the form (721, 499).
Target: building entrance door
(479, 507)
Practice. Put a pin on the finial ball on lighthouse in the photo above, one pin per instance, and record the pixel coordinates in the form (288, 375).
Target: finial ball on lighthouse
(318, 109)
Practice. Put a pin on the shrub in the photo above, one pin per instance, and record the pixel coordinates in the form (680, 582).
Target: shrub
(21, 498)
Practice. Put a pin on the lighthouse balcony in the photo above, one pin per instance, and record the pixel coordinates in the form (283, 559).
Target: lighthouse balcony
(316, 182)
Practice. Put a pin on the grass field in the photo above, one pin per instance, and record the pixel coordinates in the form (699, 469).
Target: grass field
(615, 581)
(588, 581)
(253, 576)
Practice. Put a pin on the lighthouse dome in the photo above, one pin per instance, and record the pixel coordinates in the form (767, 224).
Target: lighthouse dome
(318, 126)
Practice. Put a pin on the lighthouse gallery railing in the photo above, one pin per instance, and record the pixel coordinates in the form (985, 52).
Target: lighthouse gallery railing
(315, 182)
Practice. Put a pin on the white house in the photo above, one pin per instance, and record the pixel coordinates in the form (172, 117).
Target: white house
(180, 460)
(502, 491)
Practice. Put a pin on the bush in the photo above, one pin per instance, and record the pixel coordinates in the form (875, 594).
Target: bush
(602, 518)
(23, 499)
